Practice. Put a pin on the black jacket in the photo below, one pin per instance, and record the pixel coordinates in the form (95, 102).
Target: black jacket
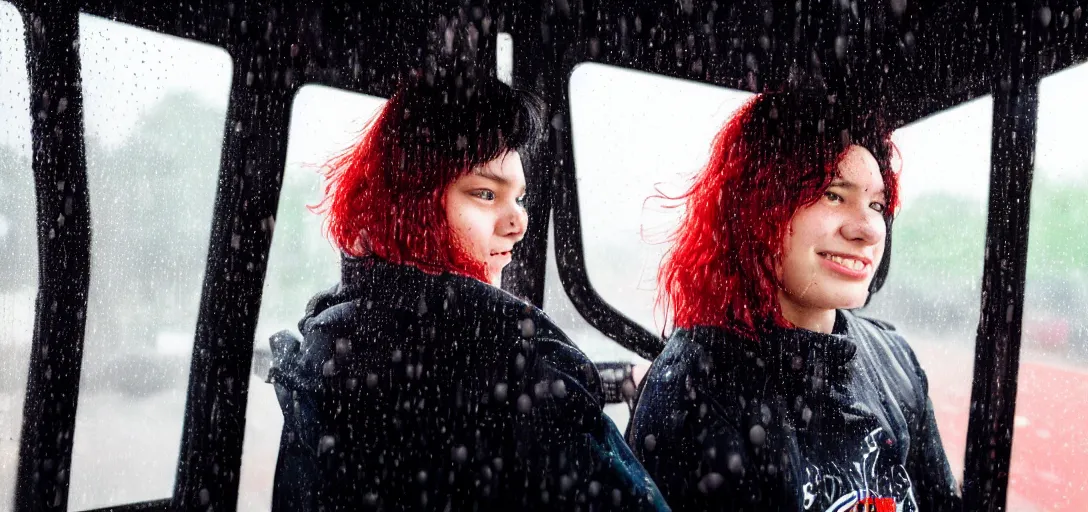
(440, 392)
(797, 421)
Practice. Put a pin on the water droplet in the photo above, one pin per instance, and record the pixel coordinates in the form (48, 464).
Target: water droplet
(559, 388)
(327, 443)
(840, 47)
(565, 483)
(528, 328)
(525, 404)
(540, 389)
(649, 442)
(1044, 16)
(736, 464)
(460, 454)
(594, 488)
(757, 435)
(500, 392)
(898, 6)
(711, 482)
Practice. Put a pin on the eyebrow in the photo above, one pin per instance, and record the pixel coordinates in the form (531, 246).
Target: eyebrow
(849, 185)
(486, 173)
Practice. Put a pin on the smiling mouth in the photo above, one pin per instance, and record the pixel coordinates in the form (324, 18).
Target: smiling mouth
(850, 262)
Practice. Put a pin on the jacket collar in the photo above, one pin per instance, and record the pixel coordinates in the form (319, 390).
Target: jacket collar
(407, 288)
(787, 355)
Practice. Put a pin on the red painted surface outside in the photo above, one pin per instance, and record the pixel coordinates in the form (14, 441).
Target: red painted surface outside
(1049, 467)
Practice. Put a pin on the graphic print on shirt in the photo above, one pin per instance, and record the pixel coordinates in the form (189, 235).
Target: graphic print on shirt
(859, 486)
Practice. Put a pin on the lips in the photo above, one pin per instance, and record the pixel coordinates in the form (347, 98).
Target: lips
(502, 253)
(850, 265)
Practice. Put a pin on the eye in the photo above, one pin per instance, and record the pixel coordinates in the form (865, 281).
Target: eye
(485, 194)
(831, 196)
(878, 206)
(521, 200)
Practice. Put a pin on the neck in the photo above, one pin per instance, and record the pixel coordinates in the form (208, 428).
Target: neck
(813, 319)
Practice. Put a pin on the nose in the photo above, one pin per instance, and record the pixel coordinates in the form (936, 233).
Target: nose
(865, 226)
(513, 222)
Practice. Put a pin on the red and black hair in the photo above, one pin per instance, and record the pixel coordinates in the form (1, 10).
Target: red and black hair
(384, 195)
(777, 153)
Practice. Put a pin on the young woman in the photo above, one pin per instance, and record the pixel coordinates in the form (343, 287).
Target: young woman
(770, 393)
(420, 384)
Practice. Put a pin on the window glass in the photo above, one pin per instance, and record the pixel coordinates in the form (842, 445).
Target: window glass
(301, 263)
(634, 134)
(18, 242)
(597, 347)
(154, 110)
(1048, 466)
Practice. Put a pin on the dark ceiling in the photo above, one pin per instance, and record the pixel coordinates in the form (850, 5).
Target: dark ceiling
(913, 57)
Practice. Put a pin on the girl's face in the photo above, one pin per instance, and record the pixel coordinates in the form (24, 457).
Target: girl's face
(834, 246)
(485, 210)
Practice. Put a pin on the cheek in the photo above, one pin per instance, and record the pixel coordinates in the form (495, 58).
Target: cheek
(796, 270)
(472, 226)
(456, 219)
(878, 252)
(801, 240)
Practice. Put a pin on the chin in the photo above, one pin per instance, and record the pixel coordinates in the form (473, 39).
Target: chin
(850, 302)
(839, 301)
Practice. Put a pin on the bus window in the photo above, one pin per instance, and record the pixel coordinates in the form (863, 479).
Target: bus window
(1048, 453)
(934, 283)
(18, 242)
(622, 154)
(301, 262)
(154, 110)
(635, 133)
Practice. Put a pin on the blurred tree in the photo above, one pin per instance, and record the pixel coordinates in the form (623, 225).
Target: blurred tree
(151, 204)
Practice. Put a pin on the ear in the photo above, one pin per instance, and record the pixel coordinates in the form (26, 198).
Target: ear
(885, 263)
